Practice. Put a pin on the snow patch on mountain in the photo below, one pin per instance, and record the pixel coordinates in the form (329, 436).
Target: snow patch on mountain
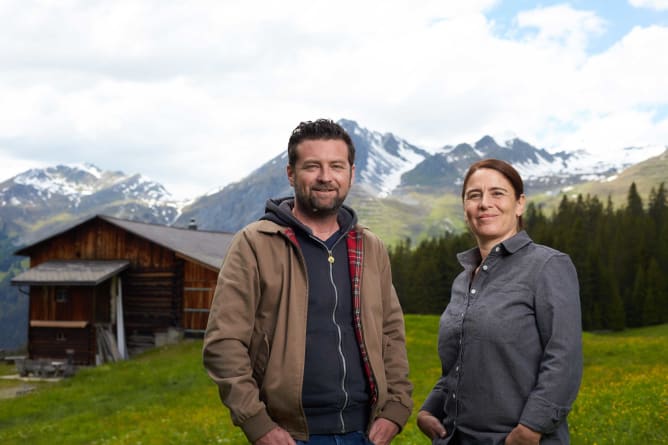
(89, 168)
(588, 166)
(387, 159)
(53, 181)
(544, 167)
(537, 164)
(81, 186)
(613, 161)
(385, 169)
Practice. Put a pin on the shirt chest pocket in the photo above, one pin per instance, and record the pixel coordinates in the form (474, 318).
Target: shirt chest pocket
(504, 316)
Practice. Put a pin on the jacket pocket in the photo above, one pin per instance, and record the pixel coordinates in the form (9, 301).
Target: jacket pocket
(259, 356)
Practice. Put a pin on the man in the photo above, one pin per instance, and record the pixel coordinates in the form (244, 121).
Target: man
(306, 335)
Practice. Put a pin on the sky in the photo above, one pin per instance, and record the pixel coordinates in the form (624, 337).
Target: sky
(197, 94)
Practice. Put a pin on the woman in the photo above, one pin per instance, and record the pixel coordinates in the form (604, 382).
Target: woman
(510, 338)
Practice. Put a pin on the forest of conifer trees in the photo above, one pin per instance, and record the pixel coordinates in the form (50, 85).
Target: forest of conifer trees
(621, 256)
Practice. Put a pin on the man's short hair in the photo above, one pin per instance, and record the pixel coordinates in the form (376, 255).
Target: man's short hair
(325, 129)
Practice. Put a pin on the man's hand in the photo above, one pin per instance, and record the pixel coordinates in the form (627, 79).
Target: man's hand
(383, 431)
(277, 436)
(430, 425)
(521, 435)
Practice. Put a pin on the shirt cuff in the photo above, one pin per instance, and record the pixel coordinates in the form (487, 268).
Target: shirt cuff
(543, 416)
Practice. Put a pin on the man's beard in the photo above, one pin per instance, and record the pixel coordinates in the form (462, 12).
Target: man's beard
(319, 207)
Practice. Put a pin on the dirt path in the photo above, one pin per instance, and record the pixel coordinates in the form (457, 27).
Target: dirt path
(14, 391)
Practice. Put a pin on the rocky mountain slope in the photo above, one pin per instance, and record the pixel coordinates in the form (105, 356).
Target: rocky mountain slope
(34, 201)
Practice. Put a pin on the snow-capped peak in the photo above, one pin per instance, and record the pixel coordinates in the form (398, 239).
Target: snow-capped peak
(61, 180)
(619, 159)
(84, 185)
(387, 167)
(381, 158)
(88, 168)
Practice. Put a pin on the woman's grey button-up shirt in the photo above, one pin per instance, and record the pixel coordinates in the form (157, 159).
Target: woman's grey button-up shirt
(510, 344)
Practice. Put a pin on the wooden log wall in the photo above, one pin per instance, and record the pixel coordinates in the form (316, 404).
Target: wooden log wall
(79, 303)
(148, 300)
(198, 287)
(53, 342)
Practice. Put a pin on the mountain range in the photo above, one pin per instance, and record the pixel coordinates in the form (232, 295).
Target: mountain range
(398, 188)
(400, 191)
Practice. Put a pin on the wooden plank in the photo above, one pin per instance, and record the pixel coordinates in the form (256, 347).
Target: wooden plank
(57, 324)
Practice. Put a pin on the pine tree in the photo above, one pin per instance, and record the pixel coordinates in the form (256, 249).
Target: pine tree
(658, 213)
(613, 316)
(536, 224)
(657, 208)
(589, 276)
(655, 299)
(636, 311)
(631, 251)
(400, 260)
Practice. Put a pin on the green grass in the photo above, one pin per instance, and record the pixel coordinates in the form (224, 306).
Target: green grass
(165, 397)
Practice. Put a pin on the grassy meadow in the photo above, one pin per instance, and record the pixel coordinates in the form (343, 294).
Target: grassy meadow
(165, 397)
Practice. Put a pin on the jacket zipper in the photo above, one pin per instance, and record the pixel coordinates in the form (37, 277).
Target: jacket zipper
(346, 396)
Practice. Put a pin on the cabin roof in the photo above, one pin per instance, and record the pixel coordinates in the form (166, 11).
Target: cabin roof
(71, 272)
(205, 247)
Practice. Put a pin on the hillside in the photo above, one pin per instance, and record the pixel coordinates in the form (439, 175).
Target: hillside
(646, 175)
(165, 397)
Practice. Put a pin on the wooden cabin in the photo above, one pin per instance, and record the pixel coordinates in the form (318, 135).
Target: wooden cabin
(105, 287)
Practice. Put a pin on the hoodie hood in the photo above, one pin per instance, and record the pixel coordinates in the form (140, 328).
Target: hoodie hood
(279, 211)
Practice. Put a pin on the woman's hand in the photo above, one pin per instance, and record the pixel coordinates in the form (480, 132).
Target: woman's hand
(521, 435)
(430, 425)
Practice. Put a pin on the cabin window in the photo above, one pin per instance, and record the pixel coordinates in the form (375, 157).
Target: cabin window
(60, 336)
(61, 295)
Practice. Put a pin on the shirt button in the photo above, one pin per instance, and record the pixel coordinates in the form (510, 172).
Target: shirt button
(457, 369)
(484, 267)
(497, 249)
(453, 396)
(472, 291)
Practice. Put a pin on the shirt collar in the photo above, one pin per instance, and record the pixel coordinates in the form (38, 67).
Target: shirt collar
(516, 242)
(471, 258)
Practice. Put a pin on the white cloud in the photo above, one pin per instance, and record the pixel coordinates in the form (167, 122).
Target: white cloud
(659, 5)
(628, 74)
(197, 94)
(562, 25)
